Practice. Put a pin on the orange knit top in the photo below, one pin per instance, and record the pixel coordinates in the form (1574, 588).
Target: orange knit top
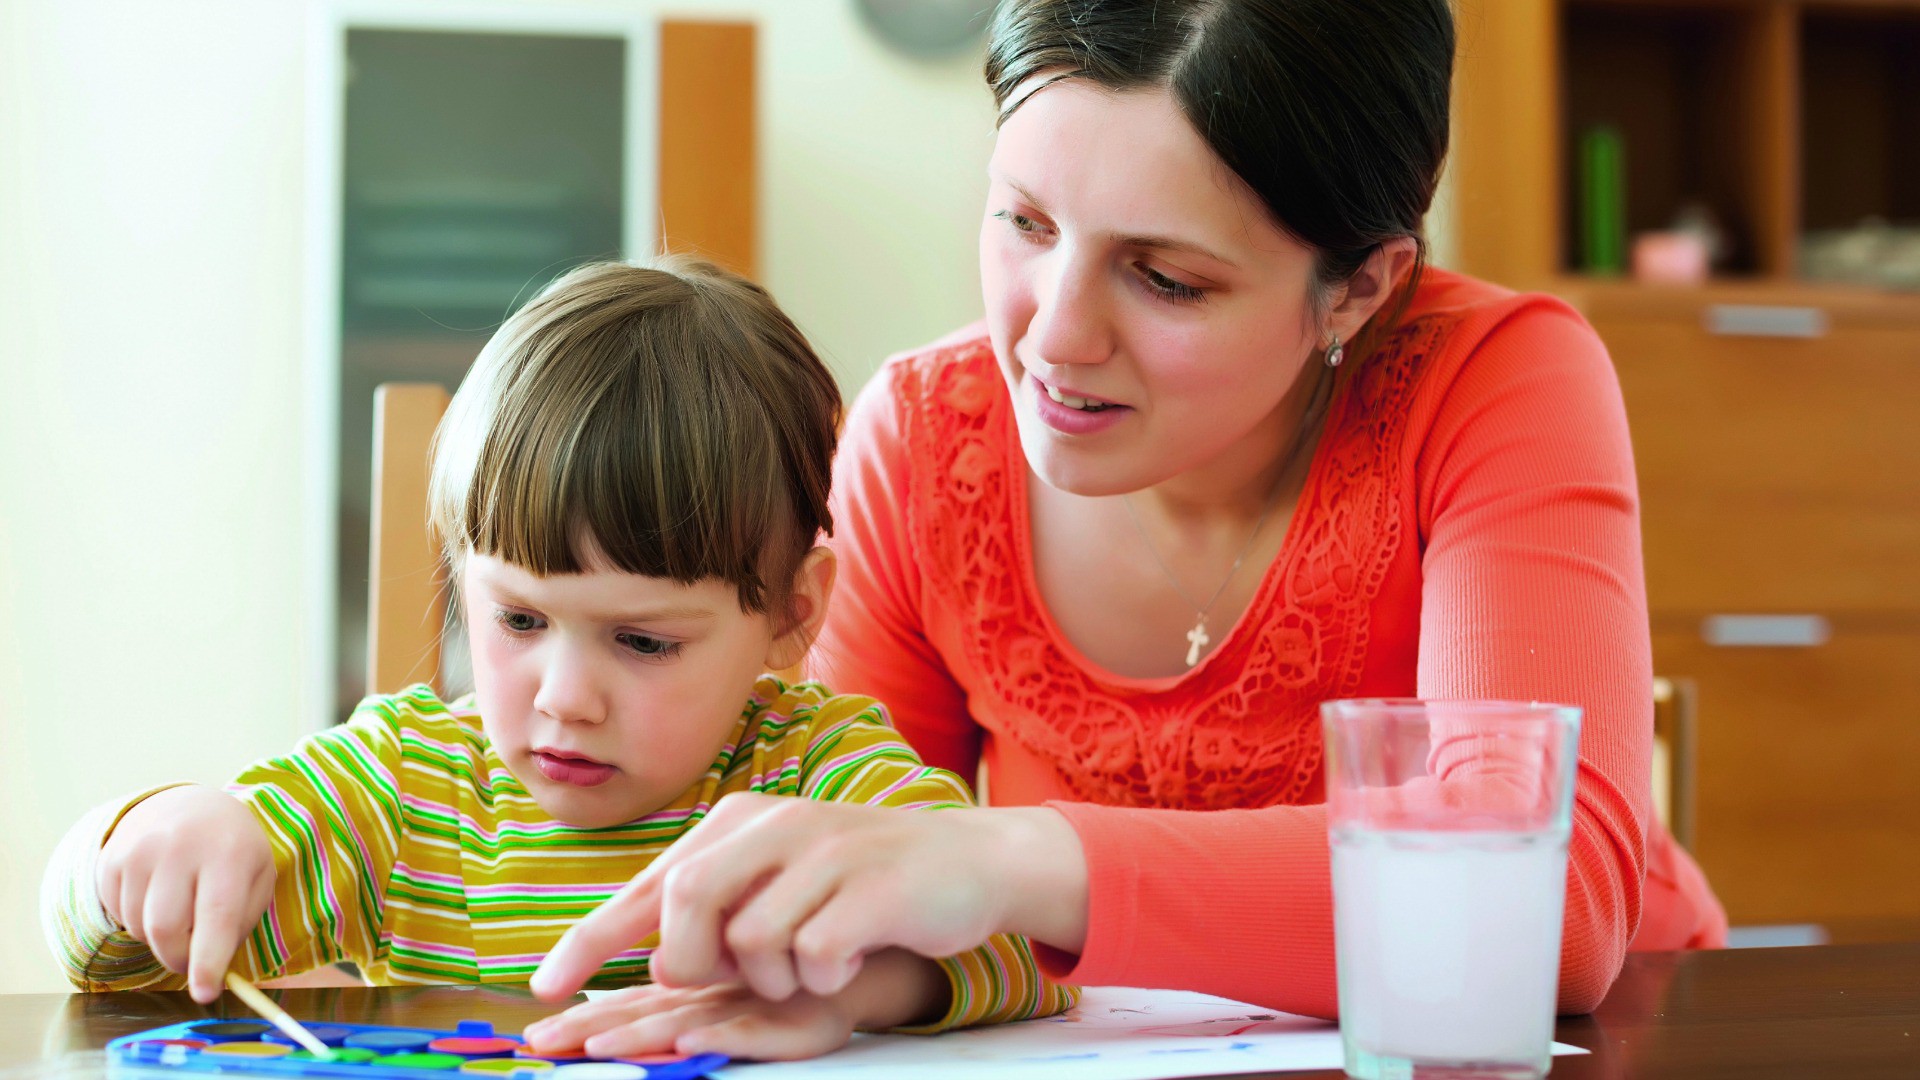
(1468, 528)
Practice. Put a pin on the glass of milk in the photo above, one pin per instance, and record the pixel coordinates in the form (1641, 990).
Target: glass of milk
(1449, 822)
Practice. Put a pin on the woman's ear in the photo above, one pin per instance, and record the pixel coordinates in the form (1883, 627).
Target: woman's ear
(1372, 287)
(806, 610)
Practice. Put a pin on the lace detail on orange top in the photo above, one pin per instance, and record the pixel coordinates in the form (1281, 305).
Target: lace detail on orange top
(1242, 728)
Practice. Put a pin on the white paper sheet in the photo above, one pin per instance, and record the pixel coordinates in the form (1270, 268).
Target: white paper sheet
(1115, 1033)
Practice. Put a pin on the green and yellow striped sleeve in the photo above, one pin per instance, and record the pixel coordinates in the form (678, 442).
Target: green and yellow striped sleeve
(331, 812)
(93, 951)
(854, 755)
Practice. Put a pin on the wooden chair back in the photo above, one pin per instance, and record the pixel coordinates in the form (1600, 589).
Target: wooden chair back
(406, 581)
(1675, 707)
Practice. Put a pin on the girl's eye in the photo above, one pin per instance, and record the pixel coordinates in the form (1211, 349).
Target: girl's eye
(648, 646)
(1166, 288)
(518, 622)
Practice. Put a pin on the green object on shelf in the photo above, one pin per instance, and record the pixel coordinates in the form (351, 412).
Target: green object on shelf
(1603, 201)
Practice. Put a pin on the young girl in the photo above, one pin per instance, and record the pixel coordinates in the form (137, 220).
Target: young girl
(628, 486)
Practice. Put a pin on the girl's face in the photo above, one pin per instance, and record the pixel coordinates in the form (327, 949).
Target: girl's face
(608, 694)
(1127, 269)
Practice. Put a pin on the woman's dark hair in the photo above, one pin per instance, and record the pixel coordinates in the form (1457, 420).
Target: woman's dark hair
(1334, 112)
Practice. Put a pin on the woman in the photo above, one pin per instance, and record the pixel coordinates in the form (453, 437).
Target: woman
(1222, 449)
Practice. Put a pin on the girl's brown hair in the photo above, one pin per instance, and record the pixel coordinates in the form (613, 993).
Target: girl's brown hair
(667, 418)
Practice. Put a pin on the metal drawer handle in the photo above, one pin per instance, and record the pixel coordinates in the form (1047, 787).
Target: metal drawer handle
(1765, 320)
(1766, 631)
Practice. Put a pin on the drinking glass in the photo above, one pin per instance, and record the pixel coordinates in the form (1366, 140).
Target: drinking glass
(1449, 823)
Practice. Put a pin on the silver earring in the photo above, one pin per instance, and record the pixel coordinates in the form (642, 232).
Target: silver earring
(1336, 352)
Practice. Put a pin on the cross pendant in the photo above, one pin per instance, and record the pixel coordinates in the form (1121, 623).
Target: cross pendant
(1197, 639)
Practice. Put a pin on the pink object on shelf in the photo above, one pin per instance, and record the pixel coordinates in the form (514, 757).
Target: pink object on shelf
(1674, 258)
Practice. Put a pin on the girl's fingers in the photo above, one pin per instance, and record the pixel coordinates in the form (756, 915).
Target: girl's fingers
(167, 918)
(755, 1037)
(107, 887)
(570, 1029)
(133, 902)
(656, 1033)
(761, 1037)
(223, 913)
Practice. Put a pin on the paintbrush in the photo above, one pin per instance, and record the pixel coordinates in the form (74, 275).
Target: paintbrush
(276, 1016)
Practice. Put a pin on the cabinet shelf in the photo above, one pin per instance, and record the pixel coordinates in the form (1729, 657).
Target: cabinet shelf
(1790, 122)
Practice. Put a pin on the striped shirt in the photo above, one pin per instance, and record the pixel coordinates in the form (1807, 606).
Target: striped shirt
(404, 845)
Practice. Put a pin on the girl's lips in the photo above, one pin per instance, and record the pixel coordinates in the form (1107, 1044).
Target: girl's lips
(1068, 420)
(579, 772)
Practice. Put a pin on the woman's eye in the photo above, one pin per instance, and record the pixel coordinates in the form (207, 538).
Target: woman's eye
(1169, 289)
(518, 621)
(1020, 222)
(646, 645)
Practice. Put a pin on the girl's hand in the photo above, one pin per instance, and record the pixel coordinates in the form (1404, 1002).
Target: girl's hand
(188, 872)
(786, 894)
(726, 1019)
(894, 988)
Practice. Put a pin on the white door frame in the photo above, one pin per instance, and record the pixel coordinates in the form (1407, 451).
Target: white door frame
(637, 23)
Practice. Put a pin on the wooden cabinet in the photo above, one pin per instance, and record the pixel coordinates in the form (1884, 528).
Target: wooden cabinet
(1780, 494)
(1776, 422)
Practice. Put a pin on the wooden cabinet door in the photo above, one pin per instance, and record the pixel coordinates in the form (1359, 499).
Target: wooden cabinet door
(1808, 778)
(1775, 474)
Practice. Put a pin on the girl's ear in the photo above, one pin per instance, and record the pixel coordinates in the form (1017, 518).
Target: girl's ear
(1372, 287)
(806, 610)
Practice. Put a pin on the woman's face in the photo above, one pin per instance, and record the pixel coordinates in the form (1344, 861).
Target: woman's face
(1126, 268)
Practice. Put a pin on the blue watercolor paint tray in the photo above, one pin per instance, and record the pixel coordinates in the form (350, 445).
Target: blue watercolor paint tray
(246, 1047)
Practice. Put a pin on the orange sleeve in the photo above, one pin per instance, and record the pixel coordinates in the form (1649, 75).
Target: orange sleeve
(1532, 589)
(875, 641)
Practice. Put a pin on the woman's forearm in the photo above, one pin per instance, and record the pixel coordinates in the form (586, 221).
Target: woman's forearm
(1042, 874)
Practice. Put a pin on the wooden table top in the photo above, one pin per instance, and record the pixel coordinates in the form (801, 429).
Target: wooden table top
(1756, 1014)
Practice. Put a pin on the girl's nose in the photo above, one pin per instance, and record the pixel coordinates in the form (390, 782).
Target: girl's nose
(569, 690)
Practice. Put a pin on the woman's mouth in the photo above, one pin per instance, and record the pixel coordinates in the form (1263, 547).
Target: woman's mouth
(1073, 401)
(1074, 414)
(568, 769)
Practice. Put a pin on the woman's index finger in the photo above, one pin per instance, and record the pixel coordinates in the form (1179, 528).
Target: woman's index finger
(634, 912)
(627, 917)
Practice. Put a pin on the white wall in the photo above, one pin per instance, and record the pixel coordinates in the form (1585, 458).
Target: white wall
(151, 517)
(150, 268)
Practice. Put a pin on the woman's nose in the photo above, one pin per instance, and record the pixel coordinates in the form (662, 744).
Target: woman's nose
(1071, 318)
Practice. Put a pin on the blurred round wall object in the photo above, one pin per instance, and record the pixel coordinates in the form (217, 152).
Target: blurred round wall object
(1670, 258)
(927, 28)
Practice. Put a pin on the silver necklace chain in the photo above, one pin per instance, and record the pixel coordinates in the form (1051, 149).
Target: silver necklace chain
(1197, 638)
